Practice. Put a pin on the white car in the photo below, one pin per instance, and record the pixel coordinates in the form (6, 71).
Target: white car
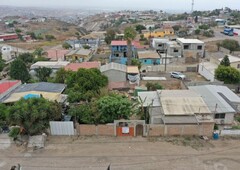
(178, 75)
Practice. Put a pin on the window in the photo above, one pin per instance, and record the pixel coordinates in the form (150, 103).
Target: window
(199, 47)
(175, 50)
(186, 47)
(145, 61)
(220, 116)
(160, 45)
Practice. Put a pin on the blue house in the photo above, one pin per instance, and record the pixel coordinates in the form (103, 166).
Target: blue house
(119, 52)
(149, 58)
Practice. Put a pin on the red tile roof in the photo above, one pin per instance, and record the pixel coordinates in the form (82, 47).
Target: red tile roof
(57, 54)
(6, 85)
(115, 43)
(87, 65)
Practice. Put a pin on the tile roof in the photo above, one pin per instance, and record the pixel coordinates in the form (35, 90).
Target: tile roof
(115, 43)
(86, 65)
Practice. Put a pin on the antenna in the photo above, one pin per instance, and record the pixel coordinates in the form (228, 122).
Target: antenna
(192, 5)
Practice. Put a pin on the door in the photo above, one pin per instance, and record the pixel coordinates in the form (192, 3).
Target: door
(139, 130)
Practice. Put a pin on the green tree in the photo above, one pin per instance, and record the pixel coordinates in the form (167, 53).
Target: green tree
(114, 107)
(3, 113)
(197, 31)
(110, 35)
(84, 84)
(66, 45)
(232, 45)
(204, 27)
(33, 115)
(228, 75)
(139, 28)
(176, 28)
(86, 46)
(39, 52)
(43, 73)
(26, 57)
(129, 35)
(18, 71)
(225, 61)
(32, 34)
(18, 31)
(2, 63)
(61, 76)
(136, 62)
(153, 86)
(49, 37)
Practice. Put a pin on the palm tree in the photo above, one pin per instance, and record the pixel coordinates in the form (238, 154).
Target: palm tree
(129, 35)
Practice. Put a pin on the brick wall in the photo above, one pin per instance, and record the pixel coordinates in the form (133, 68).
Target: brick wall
(101, 130)
(205, 129)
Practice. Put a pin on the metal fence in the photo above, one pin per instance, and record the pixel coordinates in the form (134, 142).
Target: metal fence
(61, 128)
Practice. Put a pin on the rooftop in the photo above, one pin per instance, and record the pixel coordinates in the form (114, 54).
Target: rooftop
(189, 41)
(41, 86)
(132, 69)
(182, 102)
(120, 43)
(56, 54)
(231, 58)
(113, 66)
(50, 64)
(212, 95)
(148, 54)
(149, 98)
(6, 85)
(86, 65)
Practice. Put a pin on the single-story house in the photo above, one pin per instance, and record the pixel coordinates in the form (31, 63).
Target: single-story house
(50, 91)
(54, 65)
(221, 101)
(164, 104)
(149, 57)
(86, 65)
(115, 72)
(78, 55)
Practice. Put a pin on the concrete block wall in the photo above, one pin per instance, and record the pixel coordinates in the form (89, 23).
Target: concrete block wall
(101, 130)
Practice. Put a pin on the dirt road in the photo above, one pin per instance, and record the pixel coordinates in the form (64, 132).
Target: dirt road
(66, 153)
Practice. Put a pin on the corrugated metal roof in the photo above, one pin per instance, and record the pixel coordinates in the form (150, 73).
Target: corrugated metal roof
(149, 98)
(113, 66)
(49, 64)
(210, 94)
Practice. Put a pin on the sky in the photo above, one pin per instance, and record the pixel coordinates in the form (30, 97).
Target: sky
(181, 5)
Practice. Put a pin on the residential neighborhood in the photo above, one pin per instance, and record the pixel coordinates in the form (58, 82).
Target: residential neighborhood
(119, 88)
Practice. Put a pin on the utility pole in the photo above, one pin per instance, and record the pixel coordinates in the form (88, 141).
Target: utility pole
(192, 6)
(165, 68)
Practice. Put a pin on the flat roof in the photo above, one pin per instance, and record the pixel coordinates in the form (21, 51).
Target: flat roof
(211, 67)
(132, 69)
(50, 64)
(182, 102)
(211, 94)
(231, 58)
(79, 52)
(190, 41)
(148, 54)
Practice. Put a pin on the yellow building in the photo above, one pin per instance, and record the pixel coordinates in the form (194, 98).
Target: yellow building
(79, 55)
(159, 33)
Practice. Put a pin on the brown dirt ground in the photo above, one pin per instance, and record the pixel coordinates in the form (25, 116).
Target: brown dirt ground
(96, 153)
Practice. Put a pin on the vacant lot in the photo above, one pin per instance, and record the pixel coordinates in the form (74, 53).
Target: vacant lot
(93, 153)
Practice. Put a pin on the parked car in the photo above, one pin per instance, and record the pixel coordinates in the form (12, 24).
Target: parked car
(178, 75)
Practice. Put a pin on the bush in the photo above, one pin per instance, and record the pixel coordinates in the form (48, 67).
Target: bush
(14, 132)
(49, 37)
(153, 86)
(228, 75)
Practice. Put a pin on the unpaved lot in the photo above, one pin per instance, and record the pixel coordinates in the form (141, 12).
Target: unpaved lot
(96, 153)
